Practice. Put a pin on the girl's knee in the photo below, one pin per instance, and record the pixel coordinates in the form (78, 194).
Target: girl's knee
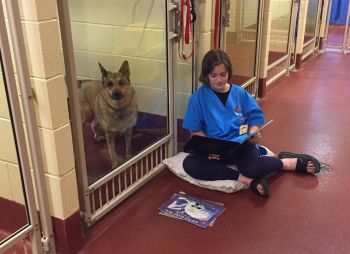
(250, 170)
(190, 165)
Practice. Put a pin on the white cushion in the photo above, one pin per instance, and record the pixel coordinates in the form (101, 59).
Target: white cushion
(175, 165)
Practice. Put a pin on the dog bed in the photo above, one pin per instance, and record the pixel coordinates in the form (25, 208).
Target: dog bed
(229, 186)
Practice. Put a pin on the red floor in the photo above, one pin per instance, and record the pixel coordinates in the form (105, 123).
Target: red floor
(335, 35)
(304, 214)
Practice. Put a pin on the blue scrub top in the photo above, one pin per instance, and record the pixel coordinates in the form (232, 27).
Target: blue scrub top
(205, 112)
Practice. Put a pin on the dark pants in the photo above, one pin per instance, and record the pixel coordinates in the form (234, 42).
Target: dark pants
(247, 159)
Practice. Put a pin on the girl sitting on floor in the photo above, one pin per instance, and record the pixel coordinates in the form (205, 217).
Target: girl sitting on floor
(226, 111)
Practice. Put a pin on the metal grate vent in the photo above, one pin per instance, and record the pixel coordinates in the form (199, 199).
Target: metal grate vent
(325, 169)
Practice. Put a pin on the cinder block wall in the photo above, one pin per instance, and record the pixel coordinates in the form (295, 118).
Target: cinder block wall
(42, 39)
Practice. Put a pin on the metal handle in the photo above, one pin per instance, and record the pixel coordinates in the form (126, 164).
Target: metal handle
(226, 18)
(174, 11)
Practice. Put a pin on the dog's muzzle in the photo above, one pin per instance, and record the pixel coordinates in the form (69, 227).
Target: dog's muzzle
(117, 96)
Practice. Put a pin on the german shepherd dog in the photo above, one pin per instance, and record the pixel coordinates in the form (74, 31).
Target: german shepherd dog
(112, 104)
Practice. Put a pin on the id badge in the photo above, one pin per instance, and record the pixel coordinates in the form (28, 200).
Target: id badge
(243, 129)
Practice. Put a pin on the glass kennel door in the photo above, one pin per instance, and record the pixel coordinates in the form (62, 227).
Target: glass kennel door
(109, 33)
(281, 11)
(311, 28)
(117, 63)
(293, 33)
(240, 35)
(19, 224)
(14, 214)
(337, 30)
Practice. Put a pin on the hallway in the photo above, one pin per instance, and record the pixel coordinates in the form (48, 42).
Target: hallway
(304, 214)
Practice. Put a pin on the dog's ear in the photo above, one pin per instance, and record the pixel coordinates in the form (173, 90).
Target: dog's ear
(103, 70)
(125, 69)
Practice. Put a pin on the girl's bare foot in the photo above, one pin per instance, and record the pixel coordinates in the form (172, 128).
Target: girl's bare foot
(290, 164)
(255, 185)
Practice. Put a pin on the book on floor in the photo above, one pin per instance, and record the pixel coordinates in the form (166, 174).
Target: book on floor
(199, 212)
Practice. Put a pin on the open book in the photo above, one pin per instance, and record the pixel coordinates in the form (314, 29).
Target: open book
(207, 145)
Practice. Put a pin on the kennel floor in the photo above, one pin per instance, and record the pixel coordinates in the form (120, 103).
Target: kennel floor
(304, 214)
(335, 35)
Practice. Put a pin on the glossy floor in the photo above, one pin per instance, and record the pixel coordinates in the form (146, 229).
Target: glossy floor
(304, 214)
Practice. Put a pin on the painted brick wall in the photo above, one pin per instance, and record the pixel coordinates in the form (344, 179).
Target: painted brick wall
(45, 60)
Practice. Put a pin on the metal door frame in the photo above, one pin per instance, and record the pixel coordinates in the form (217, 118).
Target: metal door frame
(91, 196)
(293, 34)
(318, 24)
(347, 29)
(346, 38)
(40, 241)
(224, 22)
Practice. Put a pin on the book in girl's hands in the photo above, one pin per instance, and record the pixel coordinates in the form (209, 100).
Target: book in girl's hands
(207, 145)
(194, 210)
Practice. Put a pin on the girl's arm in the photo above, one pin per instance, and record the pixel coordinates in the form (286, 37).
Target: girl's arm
(198, 133)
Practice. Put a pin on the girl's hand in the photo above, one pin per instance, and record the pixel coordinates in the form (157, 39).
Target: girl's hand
(254, 139)
(214, 156)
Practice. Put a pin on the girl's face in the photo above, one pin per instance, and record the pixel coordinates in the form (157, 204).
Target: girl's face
(218, 79)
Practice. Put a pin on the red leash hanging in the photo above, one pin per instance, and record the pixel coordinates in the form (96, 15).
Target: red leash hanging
(188, 29)
(186, 35)
(216, 24)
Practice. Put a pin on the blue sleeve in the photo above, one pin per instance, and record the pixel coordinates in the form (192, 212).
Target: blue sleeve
(193, 117)
(251, 109)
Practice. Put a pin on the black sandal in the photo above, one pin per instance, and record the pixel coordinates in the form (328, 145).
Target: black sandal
(254, 187)
(302, 161)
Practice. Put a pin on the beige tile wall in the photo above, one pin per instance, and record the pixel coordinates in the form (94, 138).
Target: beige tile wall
(45, 60)
(41, 31)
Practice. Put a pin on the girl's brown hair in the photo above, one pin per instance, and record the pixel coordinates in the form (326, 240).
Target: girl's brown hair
(212, 59)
